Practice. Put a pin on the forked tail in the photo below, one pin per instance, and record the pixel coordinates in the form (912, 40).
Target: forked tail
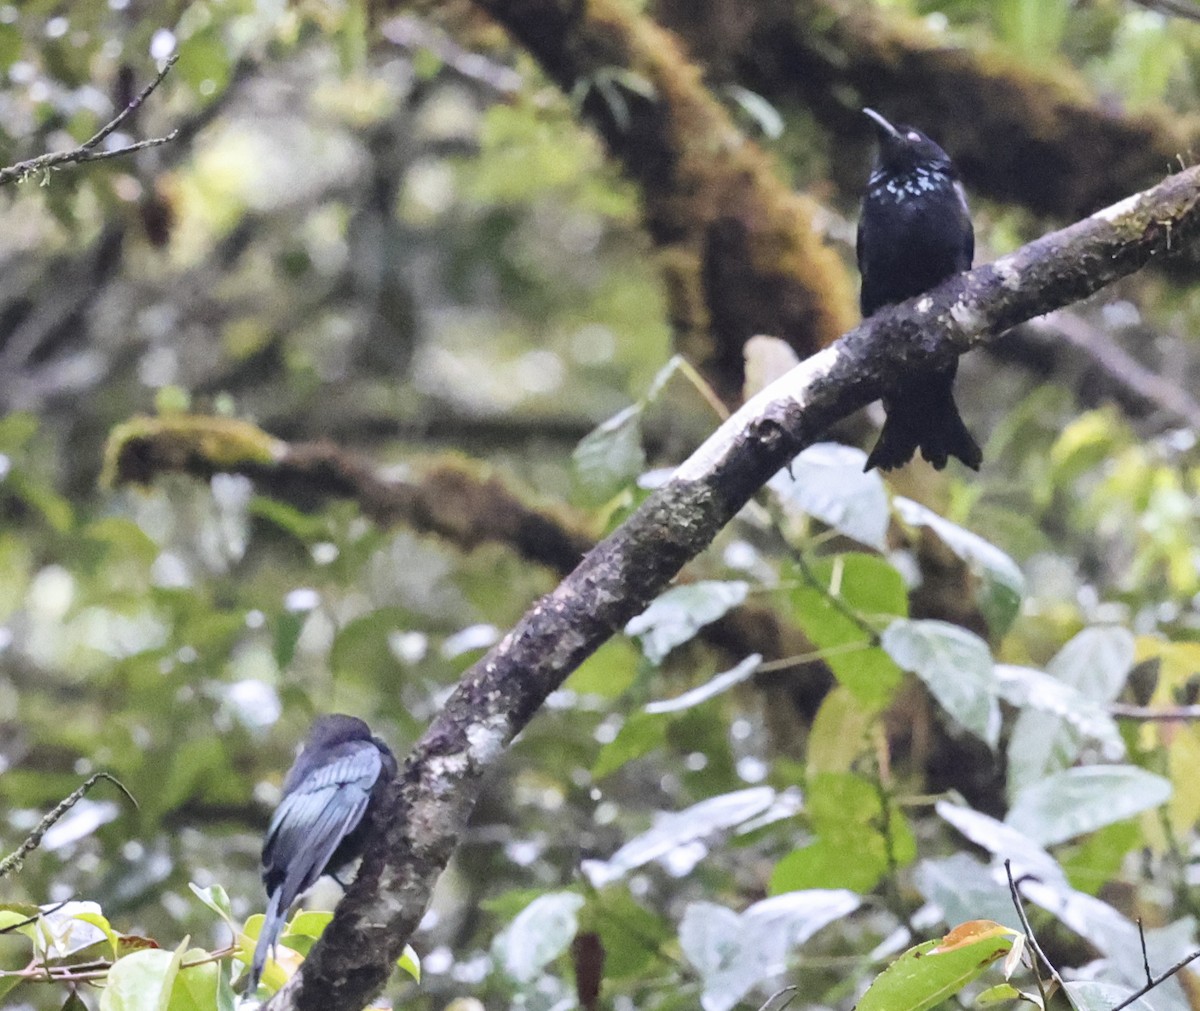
(924, 416)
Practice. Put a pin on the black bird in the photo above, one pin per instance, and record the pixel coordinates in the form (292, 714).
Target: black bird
(914, 232)
(319, 827)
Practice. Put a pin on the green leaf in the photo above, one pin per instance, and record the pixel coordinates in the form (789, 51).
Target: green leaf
(216, 898)
(1075, 718)
(610, 457)
(677, 615)
(733, 953)
(631, 933)
(310, 923)
(1093, 995)
(965, 889)
(140, 982)
(709, 690)
(1095, 664)
(196, 987)
(608, 671)
(762, 112)
(956, 667)
(1080, 800)
(541, 932)
(638, 736)
(839, 735)
(869, 587)
(827, 482)
(1003, 584)
(850, 851)
(678, 828)
(934, 971)
(410, 962)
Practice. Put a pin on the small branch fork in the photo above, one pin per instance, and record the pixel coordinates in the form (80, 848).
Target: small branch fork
(1151, 981)
(89, 149)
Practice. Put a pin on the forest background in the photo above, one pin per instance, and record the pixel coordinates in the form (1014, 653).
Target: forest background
(305, 407)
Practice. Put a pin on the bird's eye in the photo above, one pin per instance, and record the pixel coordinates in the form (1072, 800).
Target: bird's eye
(913, 136)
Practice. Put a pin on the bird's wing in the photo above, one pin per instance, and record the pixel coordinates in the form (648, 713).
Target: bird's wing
(312, 819)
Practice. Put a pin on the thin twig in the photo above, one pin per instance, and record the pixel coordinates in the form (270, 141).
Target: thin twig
(889, 851)
(31, 919)
(1156, 981)
(1153, 714)
(87, 150)
(1172, 8)
(13, 861)
(1031, 937)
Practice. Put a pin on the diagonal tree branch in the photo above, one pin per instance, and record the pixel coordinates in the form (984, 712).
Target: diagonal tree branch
(416, 831)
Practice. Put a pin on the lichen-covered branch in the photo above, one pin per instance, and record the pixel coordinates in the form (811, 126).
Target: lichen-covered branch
(90, 149)
(455, 499)
(418, 826)
(448, 498)
(1036, 135)
(738, 248)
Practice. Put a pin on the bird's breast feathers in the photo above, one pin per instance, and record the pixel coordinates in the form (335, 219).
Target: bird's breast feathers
(920, 181)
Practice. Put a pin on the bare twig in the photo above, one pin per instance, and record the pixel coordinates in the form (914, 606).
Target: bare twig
(1145, 954)
(1172, 8)
(13, 861)
(1030, 936)
(1119, 366)
(87, 151)
(1154, 714)
(31, 919)
(1151, 984)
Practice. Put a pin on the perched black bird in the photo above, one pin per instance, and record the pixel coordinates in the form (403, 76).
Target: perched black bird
(915, 231)
(318, 827)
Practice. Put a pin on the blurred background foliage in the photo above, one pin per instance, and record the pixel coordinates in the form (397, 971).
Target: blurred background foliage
(390, 230)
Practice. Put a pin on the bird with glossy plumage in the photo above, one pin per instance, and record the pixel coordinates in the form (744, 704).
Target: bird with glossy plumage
(320, 825)
(914, 232)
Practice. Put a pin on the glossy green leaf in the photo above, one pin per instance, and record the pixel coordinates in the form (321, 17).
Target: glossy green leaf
(932, 972)
(956, 667)
(677, 615)
(1075, 801)
(734, 952)
(675, 829)
(539, 934)
(141, 981)
(410, 962)
(827, 481)
(709, 690)
(611, 456)
(1094, 664)
(873, 592)
(1002, 582)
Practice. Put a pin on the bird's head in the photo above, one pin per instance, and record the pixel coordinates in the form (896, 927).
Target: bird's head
(904, 148)
(336, 729)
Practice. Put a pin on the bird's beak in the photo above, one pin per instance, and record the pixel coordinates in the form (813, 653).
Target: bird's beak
(885, 128)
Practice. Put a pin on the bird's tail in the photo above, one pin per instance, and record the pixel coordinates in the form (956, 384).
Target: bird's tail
(272, 924)
(924, 416)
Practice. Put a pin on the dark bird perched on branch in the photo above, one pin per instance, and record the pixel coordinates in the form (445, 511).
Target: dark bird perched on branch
(914, 232)
(319, 826)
